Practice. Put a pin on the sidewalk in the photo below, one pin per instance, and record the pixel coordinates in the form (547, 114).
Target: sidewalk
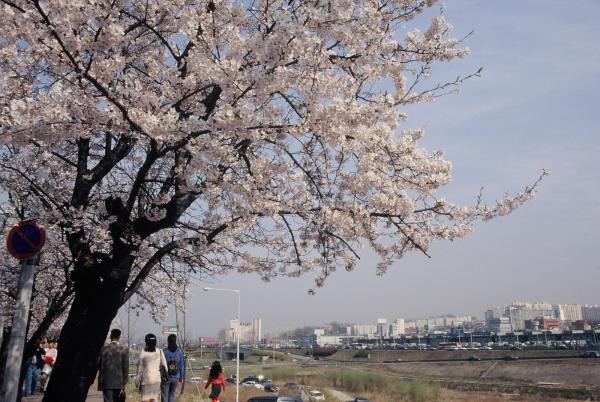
(93, 396)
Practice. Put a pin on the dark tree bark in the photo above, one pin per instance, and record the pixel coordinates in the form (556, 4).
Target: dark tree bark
(4, 353)
(97, 301)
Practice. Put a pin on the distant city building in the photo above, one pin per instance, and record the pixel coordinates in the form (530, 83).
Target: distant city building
(527, 315)
(422, 325)
(518, 312)
(569, 312)
(500, 325)
(397, 327)
(549, 323)
(382, 328)
(249, 332)
(492, 315)
(591, 314)
(365, 330)
(581, 325)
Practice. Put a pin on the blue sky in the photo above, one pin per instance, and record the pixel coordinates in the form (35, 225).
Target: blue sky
(536, 106)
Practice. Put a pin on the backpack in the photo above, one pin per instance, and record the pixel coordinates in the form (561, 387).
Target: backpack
(172, 367)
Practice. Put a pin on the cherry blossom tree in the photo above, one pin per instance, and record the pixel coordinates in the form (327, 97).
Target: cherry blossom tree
(198, 137)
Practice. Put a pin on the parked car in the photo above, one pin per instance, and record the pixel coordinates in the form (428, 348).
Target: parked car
(274, 398)
(316, 395)
(510, 357)
(293, 386)
(360, 399)
(474, 359)
(249, 383)
(591, 353)
(271, 388)
(231, 380)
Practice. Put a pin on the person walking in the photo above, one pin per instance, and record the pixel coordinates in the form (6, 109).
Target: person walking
(113, 364)
(151, 367)
(49, 360)
(34, 365)
(175, 367)
(215, 378)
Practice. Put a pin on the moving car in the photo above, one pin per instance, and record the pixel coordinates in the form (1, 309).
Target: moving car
(474, 359)
(316, 395)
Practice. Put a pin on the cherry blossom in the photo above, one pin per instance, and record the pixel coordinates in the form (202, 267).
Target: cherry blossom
(167, 140)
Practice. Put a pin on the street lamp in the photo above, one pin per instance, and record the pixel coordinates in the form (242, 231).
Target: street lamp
(237, 337)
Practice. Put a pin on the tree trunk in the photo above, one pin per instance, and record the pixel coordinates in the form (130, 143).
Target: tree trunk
(4, 353)
(95, 305)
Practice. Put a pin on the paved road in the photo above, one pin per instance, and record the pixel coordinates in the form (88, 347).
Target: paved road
(93, 396)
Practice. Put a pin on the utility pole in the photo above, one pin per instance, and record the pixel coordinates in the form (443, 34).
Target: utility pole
(128, 324)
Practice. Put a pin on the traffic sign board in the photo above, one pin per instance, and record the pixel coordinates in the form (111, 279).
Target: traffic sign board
(170, 329)
(26, 239)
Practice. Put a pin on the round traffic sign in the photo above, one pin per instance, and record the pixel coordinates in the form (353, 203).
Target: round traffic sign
(26, 239)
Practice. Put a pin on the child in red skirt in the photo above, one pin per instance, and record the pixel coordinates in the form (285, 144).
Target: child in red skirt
(215, 378)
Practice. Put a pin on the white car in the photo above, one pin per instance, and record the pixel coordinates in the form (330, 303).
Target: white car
(249, 383)
(316, 395)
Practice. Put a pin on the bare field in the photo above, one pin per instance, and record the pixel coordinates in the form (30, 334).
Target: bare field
(572, 371)
(415, 355)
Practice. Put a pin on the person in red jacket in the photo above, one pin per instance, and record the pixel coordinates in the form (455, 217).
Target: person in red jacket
(215, 378)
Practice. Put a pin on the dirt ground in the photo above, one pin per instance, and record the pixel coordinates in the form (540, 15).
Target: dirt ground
(573, 371)
(448, 395)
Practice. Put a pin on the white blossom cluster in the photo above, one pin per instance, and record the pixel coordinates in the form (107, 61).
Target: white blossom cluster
(163, 140)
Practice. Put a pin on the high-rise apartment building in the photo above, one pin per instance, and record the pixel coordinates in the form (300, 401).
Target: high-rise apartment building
(500, 325)
(518, 312)
(382, 328)
(365, 330)
(248, 332)
(569, 312)
(397, 327)
(591, 313)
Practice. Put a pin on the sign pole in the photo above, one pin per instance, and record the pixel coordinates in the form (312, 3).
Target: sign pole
(18, 331)
(1, 325)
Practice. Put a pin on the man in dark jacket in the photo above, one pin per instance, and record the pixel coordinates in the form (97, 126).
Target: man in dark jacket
(114, 368)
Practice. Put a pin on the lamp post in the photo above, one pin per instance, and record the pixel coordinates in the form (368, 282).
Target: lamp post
(237, 338)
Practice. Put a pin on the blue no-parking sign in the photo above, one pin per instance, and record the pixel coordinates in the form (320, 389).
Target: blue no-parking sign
(26, 239)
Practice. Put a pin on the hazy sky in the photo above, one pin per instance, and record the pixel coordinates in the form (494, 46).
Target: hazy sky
(536, 106)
